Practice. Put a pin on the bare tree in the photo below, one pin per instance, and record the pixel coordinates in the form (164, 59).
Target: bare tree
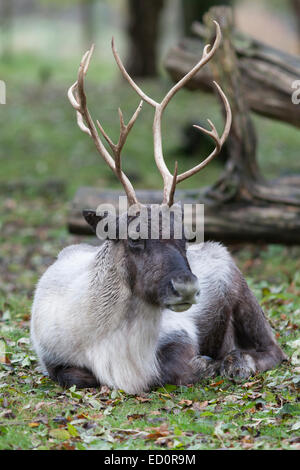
(86, 9)
(296, 7)
(143, 32)
(86, 14)
(193, 10)
(6, 21)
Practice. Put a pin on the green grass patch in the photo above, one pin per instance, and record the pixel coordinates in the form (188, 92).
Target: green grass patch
(35, 413)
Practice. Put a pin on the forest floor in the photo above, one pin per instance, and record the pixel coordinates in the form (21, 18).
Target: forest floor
(44, 159)
(262, 412)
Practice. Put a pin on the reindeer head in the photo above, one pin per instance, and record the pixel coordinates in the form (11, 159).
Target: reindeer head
(158, 269)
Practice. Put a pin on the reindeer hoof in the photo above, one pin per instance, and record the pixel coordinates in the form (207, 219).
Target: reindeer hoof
(205, 366)
(237, 364)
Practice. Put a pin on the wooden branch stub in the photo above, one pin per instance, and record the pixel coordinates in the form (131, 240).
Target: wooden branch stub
(267, 74)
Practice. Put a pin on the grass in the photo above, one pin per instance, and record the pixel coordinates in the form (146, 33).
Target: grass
(40, 142)
(35, 413)
(260, 413)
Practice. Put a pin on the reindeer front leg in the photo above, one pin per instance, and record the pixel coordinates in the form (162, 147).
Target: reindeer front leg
(234, 332)
(215, 336)
(253, 336)
(255, 348)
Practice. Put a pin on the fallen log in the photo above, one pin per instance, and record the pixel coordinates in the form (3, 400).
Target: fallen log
(91, 198)
(234, 221)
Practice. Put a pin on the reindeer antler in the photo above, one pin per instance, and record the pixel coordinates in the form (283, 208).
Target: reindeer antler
(170, 180)
(77, 97)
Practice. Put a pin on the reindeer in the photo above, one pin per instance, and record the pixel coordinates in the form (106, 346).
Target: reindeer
(136, 313)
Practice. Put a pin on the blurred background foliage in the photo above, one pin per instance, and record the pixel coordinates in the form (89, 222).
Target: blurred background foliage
(42, 42)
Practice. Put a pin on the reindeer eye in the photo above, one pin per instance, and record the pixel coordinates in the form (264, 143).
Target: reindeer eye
(136, 243)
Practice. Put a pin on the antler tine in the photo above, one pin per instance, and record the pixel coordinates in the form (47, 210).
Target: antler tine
(129, 79)
(77, 98)
(219, 141)
(170, 180)
(124, 131)
(206, 56)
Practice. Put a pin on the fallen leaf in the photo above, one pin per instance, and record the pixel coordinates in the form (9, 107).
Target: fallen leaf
(33, 425)
(72, 430)
(218, 431)
(60, 434)
(215, 384)
(82, 416)
(41, 404)
(135, 416)
(8, 414)
(197, 405)
(67, 446)
(156, 435)
(250, 384)
(247, 445)
(295, 426)
(185, 402)
(105, 390)
(96, 416)
(142, 399)
(161, 431)
(247, 442)
(231, 398)
(3, 354)
(165, 441)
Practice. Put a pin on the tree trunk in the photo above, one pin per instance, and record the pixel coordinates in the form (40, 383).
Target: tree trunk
(241, 143)
(6, 14)
(296, 7)
(143, 32)
(241, 179)
(87, 22)
(193, 10)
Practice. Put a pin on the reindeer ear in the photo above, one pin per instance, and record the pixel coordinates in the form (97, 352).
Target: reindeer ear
(92, 218)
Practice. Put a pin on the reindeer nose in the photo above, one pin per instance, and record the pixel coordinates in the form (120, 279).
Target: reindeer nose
(186, 289)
